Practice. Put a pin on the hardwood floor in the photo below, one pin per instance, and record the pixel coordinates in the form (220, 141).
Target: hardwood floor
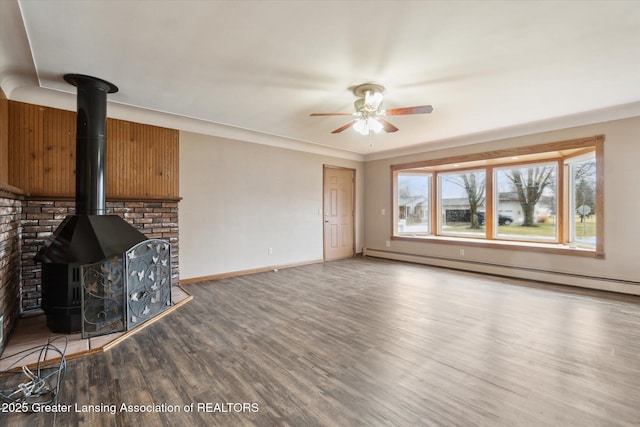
(369, 342)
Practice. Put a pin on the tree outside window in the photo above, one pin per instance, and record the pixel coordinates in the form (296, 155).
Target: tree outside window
(583, 216)
(462, 202)
(528, 192)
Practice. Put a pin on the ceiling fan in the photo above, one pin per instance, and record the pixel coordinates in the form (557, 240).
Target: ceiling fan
(369, 112)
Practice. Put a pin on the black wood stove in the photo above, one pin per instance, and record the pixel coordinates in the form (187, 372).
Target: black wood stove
(99, 273)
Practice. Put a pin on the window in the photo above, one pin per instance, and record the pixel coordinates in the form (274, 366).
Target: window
(582, 210)
(413, 203)
(461, 198)
(546, 198)
(526, 201)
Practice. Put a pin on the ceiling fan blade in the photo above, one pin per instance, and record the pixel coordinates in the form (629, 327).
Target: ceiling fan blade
(420, 109)
(331, 114)
(347, 126)
(388, 127)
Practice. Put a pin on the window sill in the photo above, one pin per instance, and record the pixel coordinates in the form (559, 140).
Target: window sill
(550, 248)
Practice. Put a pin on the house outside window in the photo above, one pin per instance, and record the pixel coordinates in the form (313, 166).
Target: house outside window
(413, 203)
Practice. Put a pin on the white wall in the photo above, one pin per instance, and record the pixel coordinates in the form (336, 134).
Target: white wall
(241, 198)
(619, 271)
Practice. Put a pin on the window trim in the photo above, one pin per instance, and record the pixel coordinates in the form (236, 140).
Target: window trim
(555, 151)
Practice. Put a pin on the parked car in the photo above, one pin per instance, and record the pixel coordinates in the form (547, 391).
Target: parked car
(502, 219)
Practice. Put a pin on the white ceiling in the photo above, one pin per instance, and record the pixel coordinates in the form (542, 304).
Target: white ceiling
(255, 70)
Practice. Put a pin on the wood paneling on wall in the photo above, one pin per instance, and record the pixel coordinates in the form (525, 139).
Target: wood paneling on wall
(142, 160)
(4, 138)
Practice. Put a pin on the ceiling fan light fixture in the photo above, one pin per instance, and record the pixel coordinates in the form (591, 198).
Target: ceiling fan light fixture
(368, 105)
(372, 100)
(369, 112)
(374, 125)
(361, 127)
(365, 126)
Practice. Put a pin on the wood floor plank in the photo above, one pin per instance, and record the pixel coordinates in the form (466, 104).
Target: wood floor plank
(369, 342)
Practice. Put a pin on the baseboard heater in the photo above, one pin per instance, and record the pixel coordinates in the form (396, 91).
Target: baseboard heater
(516, 272)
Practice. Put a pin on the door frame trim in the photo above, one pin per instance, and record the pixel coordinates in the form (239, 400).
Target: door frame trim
(353, 211)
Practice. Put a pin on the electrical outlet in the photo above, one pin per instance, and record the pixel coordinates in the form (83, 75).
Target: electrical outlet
(270, 251)
(388, 243)
(461, 252)
(383, 212)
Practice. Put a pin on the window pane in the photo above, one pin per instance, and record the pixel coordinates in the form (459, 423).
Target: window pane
(414, 194)
(526, 202)
(583, 215)
(462, 203)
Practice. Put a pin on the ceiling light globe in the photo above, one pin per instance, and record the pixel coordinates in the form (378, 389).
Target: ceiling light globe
(374, 125)
(361, 127)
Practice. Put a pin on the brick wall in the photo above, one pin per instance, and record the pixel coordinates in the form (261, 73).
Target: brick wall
(40, 218)
(10, 231)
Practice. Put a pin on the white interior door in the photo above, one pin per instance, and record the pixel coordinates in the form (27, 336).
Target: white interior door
(338, 212)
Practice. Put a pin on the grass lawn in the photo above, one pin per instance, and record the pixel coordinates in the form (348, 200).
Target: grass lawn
(587, 228)
(546, 230)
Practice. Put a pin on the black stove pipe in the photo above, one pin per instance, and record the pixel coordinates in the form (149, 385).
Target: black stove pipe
(91, 142)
